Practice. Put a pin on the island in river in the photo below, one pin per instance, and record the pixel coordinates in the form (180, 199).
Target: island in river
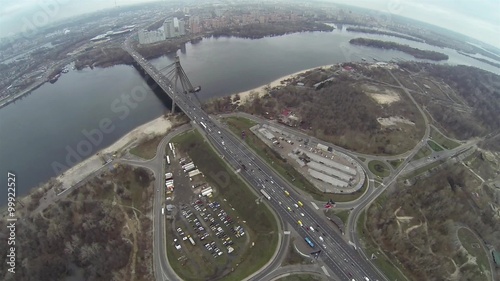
(417, 53)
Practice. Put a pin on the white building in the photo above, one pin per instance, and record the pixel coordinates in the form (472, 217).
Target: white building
(174, 27)
(150, 37)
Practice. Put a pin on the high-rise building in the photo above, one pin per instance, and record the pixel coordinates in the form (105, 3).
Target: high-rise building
(174, 27)
(169, 28)
(150, 37)
(182, 30)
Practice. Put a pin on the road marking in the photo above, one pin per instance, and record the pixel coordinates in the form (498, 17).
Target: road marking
(286, 232)
(325, 271)
(314, 205)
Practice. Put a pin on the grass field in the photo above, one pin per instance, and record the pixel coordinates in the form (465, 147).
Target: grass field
(287, 171)
(147, 148)
(442, 140)
(263, 228)
(292, 256)
(422, 169)
(396, 163)
(423, 152)
(343, 215)
(379, 168)
(434, 146)
(473, 246)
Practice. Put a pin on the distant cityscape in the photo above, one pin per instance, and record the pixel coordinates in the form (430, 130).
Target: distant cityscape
(29, 60)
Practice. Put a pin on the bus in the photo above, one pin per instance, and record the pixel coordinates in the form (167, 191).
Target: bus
(203, 125)
(162, 211)
(191, 240)
(309, 242)
(265, 194)
(168, 160)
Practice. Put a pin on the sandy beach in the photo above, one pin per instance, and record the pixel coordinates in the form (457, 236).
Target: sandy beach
(245, 96)
(75, 174)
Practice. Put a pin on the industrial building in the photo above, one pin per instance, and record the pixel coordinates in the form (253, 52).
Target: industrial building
(329, 163)
(329, 171)
(326, 178)
(267, 134)
(296, 158)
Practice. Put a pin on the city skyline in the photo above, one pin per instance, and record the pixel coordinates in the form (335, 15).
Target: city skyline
(479, 19)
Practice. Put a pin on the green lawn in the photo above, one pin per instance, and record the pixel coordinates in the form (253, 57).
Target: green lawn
(423, 169)
(280, 165)
(343, 215)
(292, 256)
(379, 168)
(147, 148)
(473, 246)
(229, 186)
(434, 146)
(442, 140)
(423, 152)
(396, 163)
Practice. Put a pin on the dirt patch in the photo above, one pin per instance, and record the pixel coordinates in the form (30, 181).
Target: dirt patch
(391, 121)
(381, 96)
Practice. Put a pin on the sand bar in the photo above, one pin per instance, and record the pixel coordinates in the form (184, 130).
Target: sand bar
(244, 96)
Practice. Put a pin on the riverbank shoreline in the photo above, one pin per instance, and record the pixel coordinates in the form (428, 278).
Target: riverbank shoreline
(77, 173)
(246, 96)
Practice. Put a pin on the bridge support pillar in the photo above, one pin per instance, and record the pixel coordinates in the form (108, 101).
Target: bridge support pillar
(173, 106)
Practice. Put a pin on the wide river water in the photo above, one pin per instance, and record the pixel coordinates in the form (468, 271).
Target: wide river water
(42, 128)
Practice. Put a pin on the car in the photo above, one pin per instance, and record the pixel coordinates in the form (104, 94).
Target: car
(302, 214)
(295, 205)
(311, 228)
(321, 238)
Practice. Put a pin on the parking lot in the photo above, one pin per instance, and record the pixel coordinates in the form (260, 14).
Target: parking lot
(211, 226)
(205, 231)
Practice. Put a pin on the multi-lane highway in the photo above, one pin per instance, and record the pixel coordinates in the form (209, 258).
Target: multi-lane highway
(342, 260)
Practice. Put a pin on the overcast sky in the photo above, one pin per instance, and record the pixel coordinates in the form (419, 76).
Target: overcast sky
(479, 19)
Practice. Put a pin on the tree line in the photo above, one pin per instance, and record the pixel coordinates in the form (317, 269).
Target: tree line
(417, 53)
(260, 30)
(381, 32)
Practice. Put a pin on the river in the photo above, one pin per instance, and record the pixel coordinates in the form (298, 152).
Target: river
(40, 130)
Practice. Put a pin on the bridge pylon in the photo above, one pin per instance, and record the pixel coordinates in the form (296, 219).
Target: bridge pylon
(175, 73)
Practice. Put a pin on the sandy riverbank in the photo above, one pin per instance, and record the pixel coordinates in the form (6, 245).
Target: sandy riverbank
(261, 90)
(75, 174)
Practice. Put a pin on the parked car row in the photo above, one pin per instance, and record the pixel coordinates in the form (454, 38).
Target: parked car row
(206, 218)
